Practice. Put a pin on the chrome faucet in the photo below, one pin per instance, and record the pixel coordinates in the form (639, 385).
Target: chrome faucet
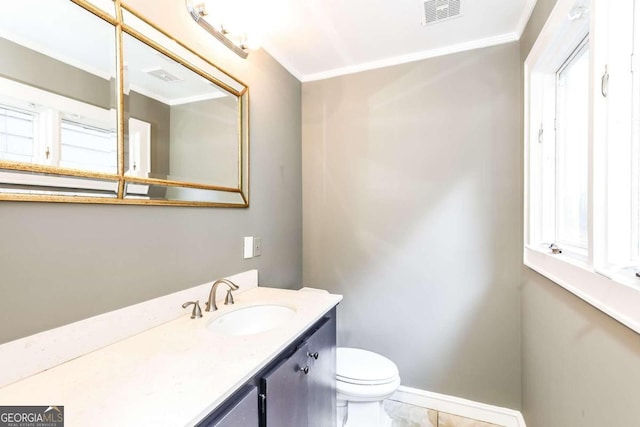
(211, 304)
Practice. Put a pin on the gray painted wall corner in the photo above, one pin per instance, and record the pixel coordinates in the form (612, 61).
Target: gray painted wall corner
(412, 210)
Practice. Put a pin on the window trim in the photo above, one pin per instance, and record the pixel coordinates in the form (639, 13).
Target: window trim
(14, 96)
(50, 111)
(614, 295)
(577, 248)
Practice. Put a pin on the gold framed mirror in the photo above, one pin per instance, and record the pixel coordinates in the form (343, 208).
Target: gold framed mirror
(112, 109)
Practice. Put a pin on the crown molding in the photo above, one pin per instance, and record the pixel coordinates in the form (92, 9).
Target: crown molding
(524, 18)
(280, 58)
(417, 56)
(403, 59)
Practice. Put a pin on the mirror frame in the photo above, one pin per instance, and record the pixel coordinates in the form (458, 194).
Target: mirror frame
(116, 18)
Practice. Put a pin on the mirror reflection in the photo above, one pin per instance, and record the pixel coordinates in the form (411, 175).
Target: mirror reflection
(180, 194)
(57, 90)
(184, 121)
(181, 126)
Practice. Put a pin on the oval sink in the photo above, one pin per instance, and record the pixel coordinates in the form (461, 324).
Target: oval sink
(251, 320)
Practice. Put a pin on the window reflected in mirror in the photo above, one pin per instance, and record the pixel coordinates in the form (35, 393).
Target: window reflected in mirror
(57, 91)
(92, 114)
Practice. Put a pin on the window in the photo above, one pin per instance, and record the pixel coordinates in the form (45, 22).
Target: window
(88, 147)
(582, 149)
(559, 165)
(44, 136)
(44, 128)
(619, 96)
(571, 152)
(41, 127)
(16, 135)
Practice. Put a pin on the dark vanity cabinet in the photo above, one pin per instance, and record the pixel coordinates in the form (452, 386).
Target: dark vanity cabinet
(301, 389)
(322, 376)
(284, 392)
(296, 389)
(239, 411)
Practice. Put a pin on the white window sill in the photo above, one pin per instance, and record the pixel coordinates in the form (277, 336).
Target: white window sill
(615, 298)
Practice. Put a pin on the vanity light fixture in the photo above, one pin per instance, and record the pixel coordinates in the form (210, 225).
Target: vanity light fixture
(237, 42)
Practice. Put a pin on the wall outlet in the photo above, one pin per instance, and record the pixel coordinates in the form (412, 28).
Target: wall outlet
(257, 246)
(248, 247)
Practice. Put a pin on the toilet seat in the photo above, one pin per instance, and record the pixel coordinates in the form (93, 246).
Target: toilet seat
(366, 393)
(363, 381)
(362, 367)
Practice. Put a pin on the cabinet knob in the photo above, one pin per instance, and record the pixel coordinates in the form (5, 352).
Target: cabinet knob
(314, 355)
(305, 370)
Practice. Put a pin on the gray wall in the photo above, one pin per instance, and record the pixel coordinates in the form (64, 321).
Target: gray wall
(44, 72)
(580, 368)
(62, 262)
(412, 210)
(202, 131)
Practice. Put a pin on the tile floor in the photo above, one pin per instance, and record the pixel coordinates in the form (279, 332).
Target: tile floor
(405, 415)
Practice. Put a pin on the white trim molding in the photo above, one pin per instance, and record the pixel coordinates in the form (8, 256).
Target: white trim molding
(613, 298)
(282, 60)
(524, 18)
(412, 57)
(458, 406)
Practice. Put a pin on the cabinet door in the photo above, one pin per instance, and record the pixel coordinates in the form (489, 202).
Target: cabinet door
(284, 392)
(322, 376)
(241, 411)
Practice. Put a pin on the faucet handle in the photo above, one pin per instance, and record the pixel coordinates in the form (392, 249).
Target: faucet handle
(196, 312)
(229, 298)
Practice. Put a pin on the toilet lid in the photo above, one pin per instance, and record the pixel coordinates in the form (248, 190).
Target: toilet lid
(364, 367)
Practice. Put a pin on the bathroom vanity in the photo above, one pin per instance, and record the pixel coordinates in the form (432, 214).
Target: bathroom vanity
(187, 372)
(296, 388)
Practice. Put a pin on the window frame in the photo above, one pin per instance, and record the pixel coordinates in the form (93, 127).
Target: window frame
(48, 112)
(33, 119)
(612, 294)
(576, 248)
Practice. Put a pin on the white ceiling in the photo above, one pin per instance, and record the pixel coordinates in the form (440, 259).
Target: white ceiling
(313, 39)
(316, 39)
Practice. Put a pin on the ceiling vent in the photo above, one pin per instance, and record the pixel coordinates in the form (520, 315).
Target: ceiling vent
(162, 74)
(440, 10)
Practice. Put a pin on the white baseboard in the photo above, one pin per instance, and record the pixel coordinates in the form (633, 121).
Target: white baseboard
(458, 406)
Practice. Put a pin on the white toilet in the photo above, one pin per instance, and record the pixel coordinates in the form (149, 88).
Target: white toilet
(363, 381)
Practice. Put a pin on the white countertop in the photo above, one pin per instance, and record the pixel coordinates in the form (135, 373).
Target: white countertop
(171, 375)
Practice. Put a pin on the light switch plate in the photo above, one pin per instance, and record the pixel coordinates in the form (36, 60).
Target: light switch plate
(257, 246)
(248, 247)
